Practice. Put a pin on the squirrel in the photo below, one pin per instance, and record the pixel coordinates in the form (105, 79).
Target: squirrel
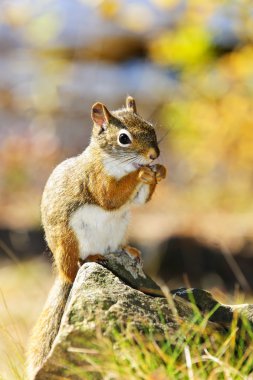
(86, 205)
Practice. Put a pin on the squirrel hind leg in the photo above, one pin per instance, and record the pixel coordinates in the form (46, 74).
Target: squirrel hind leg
(67, 257)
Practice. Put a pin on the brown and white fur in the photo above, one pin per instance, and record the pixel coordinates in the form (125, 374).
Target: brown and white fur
(87, 200)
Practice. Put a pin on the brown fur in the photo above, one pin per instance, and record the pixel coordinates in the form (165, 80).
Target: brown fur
(110, 193)
(136, 253)
(75, 190)
(66, 255)
(83, 180)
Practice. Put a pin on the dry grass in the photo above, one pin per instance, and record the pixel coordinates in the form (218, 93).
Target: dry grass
(23, 290)
(195, 351)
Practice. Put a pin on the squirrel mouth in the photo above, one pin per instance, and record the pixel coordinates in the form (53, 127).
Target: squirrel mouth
(137, 166)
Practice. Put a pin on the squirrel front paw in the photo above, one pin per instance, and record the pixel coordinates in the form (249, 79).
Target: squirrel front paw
(147, 175)
(160, 172)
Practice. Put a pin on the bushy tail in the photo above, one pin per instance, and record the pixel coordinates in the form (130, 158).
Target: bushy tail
(47, 326)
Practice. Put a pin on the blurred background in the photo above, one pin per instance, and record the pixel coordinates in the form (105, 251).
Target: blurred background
(189, 65)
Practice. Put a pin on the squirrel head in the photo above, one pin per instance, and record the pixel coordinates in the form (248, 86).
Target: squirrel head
(123, 134)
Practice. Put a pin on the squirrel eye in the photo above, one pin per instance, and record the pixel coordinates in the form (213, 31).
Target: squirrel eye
(124, 138)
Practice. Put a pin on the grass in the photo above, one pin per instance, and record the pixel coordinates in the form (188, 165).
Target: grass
(195, 351)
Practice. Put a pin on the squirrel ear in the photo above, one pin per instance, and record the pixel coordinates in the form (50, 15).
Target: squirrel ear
(130, 104)
(100, 114)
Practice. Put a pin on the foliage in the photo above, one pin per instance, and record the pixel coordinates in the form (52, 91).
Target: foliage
(195, 351)
(205, 47)
(210, 116)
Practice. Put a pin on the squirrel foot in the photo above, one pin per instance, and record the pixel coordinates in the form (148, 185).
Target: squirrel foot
(147, 175)
(100, 259)
(133, 252)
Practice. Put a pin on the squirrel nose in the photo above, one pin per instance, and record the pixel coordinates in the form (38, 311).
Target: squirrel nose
(153, 153)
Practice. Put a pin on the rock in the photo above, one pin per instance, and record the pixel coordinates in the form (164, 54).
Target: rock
(222, 314)
(101, 303)
(131, 272)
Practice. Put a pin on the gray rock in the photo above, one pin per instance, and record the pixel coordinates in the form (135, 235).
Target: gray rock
(101, 303)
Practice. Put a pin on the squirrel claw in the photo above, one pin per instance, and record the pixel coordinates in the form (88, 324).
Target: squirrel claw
(100, 259)
(133, 252)
(147, 175)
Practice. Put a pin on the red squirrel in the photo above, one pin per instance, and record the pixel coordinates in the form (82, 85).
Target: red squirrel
(86, 206)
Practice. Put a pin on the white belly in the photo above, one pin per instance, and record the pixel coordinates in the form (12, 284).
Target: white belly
(99, 231)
